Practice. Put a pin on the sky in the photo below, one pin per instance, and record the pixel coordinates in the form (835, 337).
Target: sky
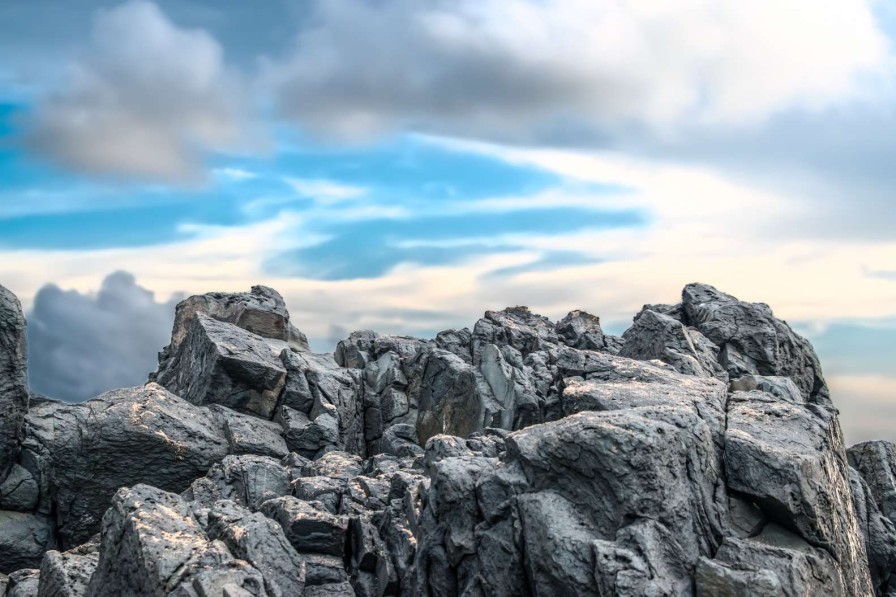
(404, 165)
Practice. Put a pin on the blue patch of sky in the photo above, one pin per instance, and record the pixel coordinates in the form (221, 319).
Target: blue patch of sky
(856, 348)
(45, 207)
(370, 248)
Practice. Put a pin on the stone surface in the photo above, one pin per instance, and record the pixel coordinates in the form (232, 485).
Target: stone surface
(24, 537)
(220, 363)
(13, 378)
(66, 574)
(697, 455)
(81, 454)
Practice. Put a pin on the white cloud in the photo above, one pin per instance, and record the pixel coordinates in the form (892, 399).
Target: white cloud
(147, 99)
(324, 191)
(236, 174)
(526, 69)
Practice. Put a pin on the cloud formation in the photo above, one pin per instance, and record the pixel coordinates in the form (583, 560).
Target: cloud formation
(147, 99)
(80, 345)
(482, 67)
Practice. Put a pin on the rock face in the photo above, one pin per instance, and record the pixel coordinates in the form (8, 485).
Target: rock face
(698, 454)
(13, 379)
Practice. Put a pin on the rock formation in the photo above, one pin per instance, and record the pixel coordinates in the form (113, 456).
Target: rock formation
(698, 454)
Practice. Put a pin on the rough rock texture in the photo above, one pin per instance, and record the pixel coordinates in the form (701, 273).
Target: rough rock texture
(699, 454)
(13, 378)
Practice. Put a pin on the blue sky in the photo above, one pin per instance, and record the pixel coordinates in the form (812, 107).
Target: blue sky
(405, 165)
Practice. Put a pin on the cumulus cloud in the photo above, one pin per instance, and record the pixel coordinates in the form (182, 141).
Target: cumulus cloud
(482, 67)
(80, 345)
(147, 98)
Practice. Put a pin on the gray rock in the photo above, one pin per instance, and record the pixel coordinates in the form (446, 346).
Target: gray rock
(581, 330)
(153, 545)
(308, 528)
(781, 556)
(24, 537)
(753, 341)
(19, 491)
(66, 574)
(657, 336)
(716, 580)
(261, 542)
(342, 589)
(13, 378)
(876, 462)
(23, 583)
(261, 312)
(247, 480)
(220, 363)
(296, 392)
(879, 534)
(790, 459)
(450, 401)
(83, 453)
(251, 435)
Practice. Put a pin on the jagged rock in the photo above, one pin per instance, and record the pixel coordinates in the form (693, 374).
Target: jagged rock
(19, 491)
(657, 336)
(13, 378)
(449, 402)
(581, 330)
(753, 341)
(261, 542)
(250, 435)
(308, 528)
(220, 363)
(66, 574)
(24, 537)
(153, 545)
(23, 583)
(81, 454)
(879, 534)
(790, 459)
(711, 463)
(261, 312)
(876, 462)
(247, 480)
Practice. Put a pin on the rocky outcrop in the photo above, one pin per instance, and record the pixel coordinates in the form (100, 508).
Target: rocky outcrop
(13, 378)
(698, 454)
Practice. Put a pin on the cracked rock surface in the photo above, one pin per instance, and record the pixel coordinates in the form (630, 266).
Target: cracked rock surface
(697, 454)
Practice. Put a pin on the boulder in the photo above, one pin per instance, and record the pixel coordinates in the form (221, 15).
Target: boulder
(13, 378)
(66, 574)
(81, 454)
(220, 363)
(153, 545)
(790, 459)
(24, 537)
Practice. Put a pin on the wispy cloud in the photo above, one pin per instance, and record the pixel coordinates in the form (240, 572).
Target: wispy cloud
(324, 191)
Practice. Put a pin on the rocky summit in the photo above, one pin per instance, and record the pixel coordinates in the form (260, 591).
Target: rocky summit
(697, 454)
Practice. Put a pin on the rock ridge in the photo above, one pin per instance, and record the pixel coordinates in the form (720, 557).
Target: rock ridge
(697, 454)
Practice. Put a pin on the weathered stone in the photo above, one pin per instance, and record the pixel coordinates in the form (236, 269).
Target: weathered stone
(261, 312)
(450, 402)
(876, 462)
(753, 341)
(152, 545)
(261, 542)
(220, 363)
(309, 529)
(19, 491)
(879, 534)
(13, 378)
(581, 330)
(85, 452)
(657, 336)
(23, 583)
(790, 459)
(24, 537)
(66, 574)
(247, 480)
(251, 435)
